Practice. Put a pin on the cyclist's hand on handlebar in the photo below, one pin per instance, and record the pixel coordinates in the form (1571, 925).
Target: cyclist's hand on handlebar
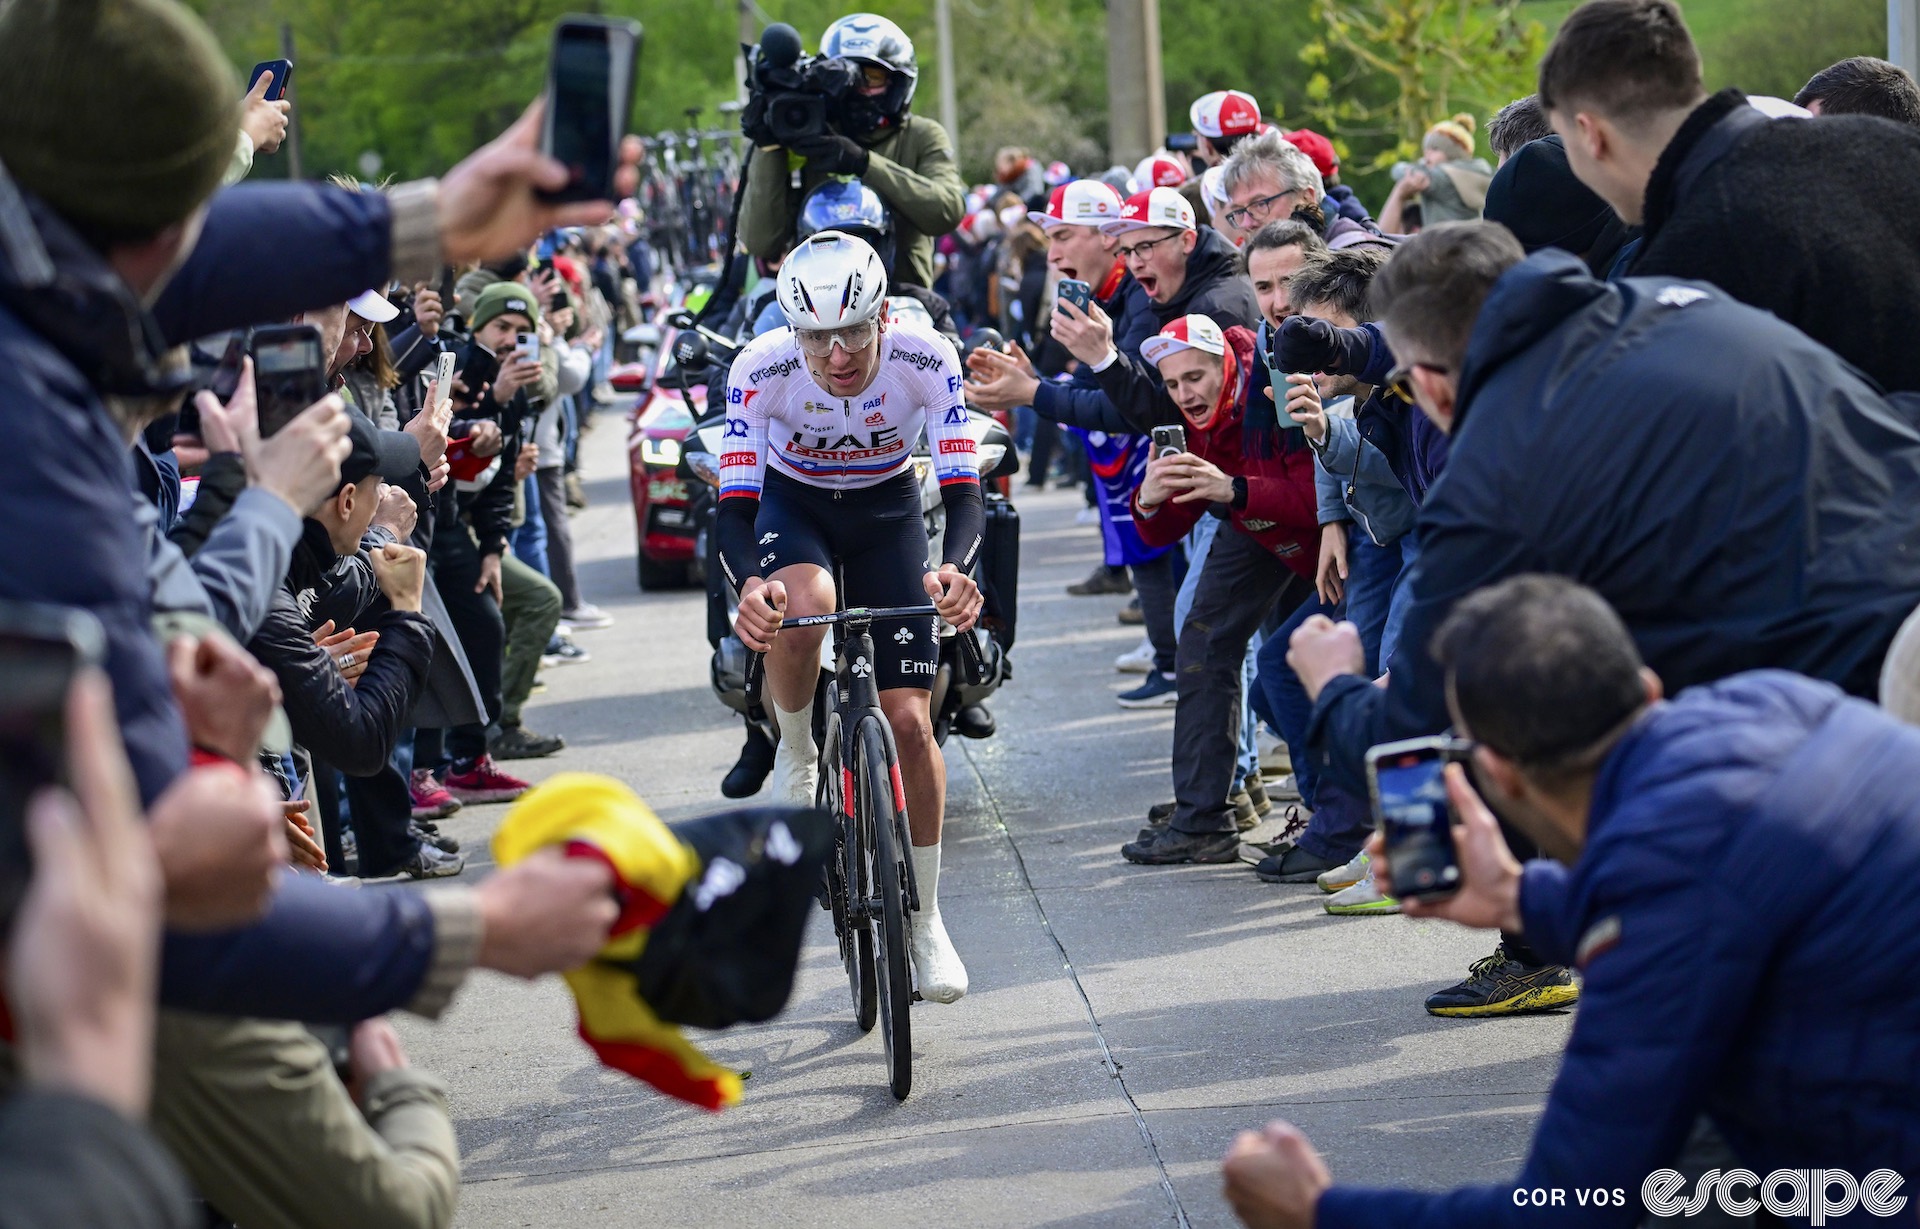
(762, 605)
(954, 595)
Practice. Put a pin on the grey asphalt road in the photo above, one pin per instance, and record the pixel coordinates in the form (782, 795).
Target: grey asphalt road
(1124, 1022)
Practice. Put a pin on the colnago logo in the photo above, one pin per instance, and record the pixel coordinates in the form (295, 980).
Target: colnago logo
(949, 446)
(862, 667)
(1813, 1193)
(922, 361)
(785, 367)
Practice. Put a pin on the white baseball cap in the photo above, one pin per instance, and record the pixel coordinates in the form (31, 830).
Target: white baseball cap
(1186, 333)
(1225, 113)
(372, 306)
(1157, 207)
(1084, 202)
(1159, 171)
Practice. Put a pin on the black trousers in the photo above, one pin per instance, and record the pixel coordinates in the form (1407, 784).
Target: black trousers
(1240, 582)
(483, 635)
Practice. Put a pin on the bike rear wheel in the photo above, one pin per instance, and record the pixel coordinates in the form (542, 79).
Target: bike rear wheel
(849, 884)
(876, 825)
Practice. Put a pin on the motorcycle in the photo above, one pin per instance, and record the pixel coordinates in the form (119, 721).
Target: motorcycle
(962, 682)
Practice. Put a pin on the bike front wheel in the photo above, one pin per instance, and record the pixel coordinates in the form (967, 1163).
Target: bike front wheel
(876, 781)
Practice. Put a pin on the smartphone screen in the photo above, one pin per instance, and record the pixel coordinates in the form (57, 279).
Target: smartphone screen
(1416, 821)
(289, 373)
(40, 649)
(589, 97)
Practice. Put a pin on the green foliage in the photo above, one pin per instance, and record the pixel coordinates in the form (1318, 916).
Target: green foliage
(422, 82)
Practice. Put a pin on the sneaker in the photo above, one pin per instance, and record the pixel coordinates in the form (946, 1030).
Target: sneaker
(429, 862)
(430, 798)
(1341, 878)
(749, 772)
(1136, 661)
(517, 742)
(430, 834)
(576, 492)
(1362, 899)
(484, 783)
(937, 971)
(1296, 865)
(1257, 791)
(1102, 579)
(1087, 516)
(563, 652)
(1130, 615)
(586, 617)
(1160, 814)
(1159, 691)
(1167, 846)
(1497, 986)
(1293, 821)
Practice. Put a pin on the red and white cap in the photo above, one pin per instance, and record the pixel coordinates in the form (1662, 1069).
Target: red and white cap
(1159, 171)
(1157, 207)
(1225, 113)
(1084, 202)
(1186, 333)
(1317, 148)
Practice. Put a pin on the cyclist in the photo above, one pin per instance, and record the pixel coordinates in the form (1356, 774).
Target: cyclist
(822, 417)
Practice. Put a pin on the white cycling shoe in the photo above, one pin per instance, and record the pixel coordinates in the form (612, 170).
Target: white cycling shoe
(936, 966)
(796, 761)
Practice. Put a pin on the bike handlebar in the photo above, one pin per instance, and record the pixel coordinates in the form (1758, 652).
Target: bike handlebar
(973, 666)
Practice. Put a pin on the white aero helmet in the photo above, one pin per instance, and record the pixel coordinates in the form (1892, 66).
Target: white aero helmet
(832, 280)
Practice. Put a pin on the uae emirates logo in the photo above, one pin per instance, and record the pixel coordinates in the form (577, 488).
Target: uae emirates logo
(862, 668)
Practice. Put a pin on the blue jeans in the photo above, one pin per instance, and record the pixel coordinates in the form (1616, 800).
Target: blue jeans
(1341, 821)
(1199, 542)
(1375, 599)
(530, 540)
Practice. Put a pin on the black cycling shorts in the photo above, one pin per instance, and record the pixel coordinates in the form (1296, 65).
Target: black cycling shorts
(880, 538)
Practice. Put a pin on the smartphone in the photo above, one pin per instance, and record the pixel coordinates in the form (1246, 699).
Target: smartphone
(41, 649)
(478, 368)
(1075, 292)
(590, 82)
(223, 383)
(443, 375)
(282, 71)
(526, 347)
(289, 373)
(1168, 440)
(1409, 793)
(1182, 142)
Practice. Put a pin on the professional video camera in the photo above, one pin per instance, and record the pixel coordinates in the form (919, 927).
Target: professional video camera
(794, 97)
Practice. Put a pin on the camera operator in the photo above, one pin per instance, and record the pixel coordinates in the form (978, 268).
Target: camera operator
(868, 134)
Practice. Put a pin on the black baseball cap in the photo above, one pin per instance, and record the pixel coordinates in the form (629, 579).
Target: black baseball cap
(394, 455)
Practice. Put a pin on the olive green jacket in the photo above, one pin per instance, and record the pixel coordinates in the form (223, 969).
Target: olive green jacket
(911, 168)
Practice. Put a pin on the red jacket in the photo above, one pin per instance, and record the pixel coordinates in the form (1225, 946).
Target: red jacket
(1281, 512)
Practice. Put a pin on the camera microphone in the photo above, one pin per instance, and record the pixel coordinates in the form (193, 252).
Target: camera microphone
(780, 45)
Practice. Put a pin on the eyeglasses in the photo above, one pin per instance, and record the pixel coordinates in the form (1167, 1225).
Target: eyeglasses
(1238, 218)
(854, 338)
(1399, 381)
(1144, 246)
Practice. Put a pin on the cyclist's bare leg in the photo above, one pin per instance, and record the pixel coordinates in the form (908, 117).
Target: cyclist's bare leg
(923, 771)
(942, 977)
(793, 664)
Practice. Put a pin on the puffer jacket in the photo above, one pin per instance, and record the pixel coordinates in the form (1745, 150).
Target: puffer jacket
(1744, 920)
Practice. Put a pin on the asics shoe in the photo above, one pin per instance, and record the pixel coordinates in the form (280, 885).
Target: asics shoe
(1498, 986)
(1344, 877)
(1361, 899)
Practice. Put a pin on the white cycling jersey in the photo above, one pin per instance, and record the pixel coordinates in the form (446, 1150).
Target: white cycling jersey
(776, 412)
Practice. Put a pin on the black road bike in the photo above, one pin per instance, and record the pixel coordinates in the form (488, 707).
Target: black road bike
(870, 885)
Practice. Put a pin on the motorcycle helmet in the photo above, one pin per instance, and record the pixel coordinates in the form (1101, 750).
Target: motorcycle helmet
(831, 281)
(866, 38)
(852, 208)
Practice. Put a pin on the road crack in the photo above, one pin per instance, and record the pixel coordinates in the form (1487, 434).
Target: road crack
(1114, 1069)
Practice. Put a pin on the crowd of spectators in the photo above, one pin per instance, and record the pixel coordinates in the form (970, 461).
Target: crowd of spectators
(1689, 409)
(1677, 320)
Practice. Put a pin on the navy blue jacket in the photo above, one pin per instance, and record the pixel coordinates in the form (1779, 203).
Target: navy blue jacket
(1415, 449)
(1739, 494)
(70, 330)
(1744, 918)
(1080, 402)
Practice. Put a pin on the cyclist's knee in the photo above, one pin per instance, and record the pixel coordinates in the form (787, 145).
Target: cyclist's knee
(906, 711)
(809, 589)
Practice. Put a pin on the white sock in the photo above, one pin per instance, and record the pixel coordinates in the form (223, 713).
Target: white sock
(796, 730)
(926, 876)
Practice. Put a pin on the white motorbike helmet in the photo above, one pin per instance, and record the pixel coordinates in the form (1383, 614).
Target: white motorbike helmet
(830, 282)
